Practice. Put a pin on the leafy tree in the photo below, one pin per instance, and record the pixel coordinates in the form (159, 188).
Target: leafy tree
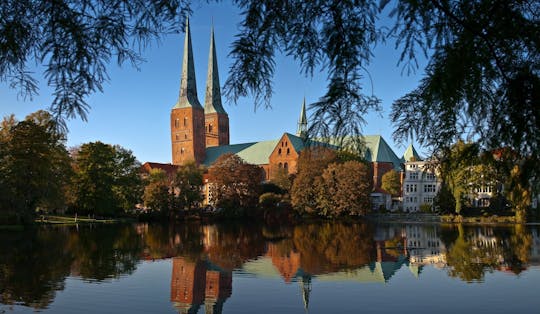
(391, 182)
(282, 179)
(34, 168)
(456, 167)
(344, 188)
(156, 195)
(234, 184)
(311, 164)
(106, 181)
(482, 79)
(187, 185)
(444, 200)
(75, 41)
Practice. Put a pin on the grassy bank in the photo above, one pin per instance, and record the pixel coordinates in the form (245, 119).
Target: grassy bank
(66, 220)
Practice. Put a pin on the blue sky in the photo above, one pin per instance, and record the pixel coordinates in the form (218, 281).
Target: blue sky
(133, 110)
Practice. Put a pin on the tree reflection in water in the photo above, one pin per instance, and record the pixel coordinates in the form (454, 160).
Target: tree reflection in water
(35, 263)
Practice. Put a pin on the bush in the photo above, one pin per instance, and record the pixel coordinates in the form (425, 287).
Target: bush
(268, 200)
(425, 208)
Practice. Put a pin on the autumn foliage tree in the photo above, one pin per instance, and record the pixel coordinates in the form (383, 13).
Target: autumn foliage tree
(343, 189)
(311, 164)
(331, 184)
(234, 184)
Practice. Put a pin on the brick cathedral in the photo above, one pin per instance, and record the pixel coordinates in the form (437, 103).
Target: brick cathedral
(202, 134)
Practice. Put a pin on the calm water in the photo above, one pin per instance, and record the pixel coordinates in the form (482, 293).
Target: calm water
(234, 268)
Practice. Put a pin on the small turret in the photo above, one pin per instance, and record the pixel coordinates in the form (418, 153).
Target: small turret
(302, 121)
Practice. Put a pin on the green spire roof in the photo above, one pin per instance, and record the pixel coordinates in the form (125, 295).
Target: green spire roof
(188, 85)
(212, 100)
(302, 122)
(411, 154)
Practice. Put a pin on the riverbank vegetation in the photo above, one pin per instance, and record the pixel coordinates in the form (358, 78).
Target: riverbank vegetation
(40, 177)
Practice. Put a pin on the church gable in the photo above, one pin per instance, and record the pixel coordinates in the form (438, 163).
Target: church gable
(285, 155)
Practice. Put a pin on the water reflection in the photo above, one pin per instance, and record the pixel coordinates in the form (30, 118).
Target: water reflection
(35, 264)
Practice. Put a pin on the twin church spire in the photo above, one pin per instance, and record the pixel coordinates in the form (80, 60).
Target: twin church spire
(192, 127)
(188, 84)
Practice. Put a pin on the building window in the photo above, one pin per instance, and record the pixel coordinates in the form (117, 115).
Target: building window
(288, 150)
(185, 121)
(185, 136)
(177, 123)
(286, 166)
(279, 151)
(177, 137)
(210, 128)
(413, 175)
(429, 188)
(182, 150)
(285, 144)
(280, 165)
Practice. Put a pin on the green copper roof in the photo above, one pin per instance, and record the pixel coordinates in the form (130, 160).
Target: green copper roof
(188, 85)
(212, 100)
(302, 122)
(258, 153)
(255, 153)
(297, 142)
(212, 153)
(410, 154)
(377, 150)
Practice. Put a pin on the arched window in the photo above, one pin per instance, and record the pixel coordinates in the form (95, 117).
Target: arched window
(288, 151)
(182, 150)
(280, 165)
(286, 166)
(177, 123)
(279, 151)
(185, 121)
(285, 144)
(210, 128)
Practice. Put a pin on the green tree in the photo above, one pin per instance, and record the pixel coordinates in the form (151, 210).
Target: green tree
(234, 184)
(344, 189)
(34, 168)
(481, 81)
(106, 181)
(187, 186)
(444, 201)
(156, 195)
(391, 182)
(456, 170)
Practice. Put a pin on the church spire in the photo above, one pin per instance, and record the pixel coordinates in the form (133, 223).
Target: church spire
(188, 85)
(212, 100)
(302, 122)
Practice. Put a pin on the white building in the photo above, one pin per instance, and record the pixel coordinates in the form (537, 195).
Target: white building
(420, 184)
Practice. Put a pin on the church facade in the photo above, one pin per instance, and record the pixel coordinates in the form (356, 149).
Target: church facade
(201, 134)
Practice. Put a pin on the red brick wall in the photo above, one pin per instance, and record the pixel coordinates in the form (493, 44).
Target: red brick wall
(188, 281)
(283, 153)
(187, 135)
(378, 170)
(218, 134)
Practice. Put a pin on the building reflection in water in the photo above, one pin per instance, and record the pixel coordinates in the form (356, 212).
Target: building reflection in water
(194, 284)
(341, 253)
